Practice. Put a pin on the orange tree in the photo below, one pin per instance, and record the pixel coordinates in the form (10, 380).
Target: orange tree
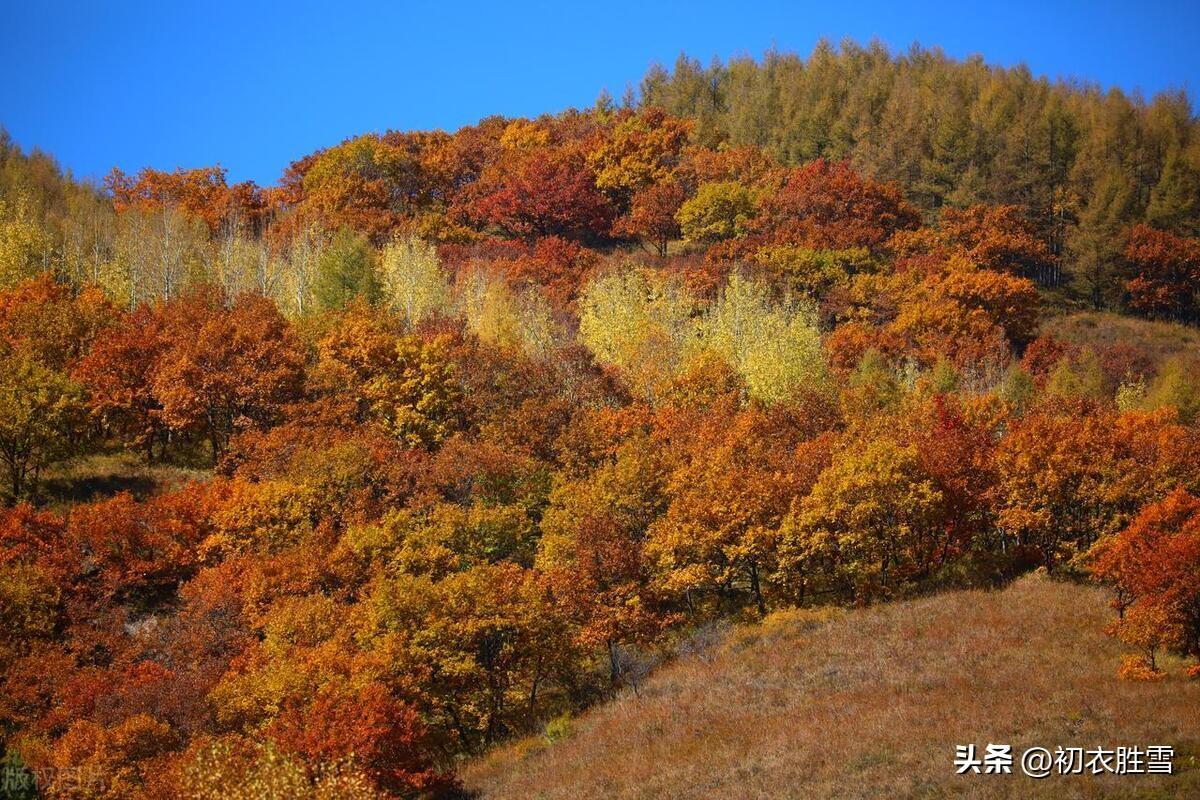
(1152, 564)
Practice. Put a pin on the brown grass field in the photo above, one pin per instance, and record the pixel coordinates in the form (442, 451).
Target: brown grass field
(1160, 340)
(102, 475)
(870, 704)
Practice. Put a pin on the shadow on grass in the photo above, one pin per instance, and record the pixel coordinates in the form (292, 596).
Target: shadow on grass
(82, 490)
(104, 475)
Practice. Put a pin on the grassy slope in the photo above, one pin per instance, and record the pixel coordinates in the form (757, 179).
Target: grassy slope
(1103, 328)
(870, 704)
(102, 475)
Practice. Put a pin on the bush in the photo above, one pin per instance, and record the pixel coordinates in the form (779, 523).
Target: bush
(559, 728)
(1139, 668)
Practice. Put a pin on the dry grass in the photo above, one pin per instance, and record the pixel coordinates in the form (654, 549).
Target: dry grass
(870, 704)
(101, 475)
(1102, 329)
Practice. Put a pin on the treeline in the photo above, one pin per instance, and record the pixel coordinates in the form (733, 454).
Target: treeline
(1083, 163)
(1107, 185)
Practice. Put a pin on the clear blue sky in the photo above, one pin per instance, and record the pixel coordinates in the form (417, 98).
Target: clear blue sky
(254, 85)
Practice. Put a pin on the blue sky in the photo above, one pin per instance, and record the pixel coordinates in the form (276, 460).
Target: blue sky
(254, 85)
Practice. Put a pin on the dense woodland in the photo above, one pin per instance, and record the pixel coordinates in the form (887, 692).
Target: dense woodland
(484, 425)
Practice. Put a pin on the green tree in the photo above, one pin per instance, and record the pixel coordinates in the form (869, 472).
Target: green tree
(39, 409)
(718, 211)
(347, 271)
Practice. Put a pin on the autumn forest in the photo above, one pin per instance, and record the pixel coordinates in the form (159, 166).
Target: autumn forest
(324, 488)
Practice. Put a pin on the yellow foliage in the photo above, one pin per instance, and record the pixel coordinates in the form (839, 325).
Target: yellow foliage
(25, 247)
(413, 281)
(775, 347)
(640, 322)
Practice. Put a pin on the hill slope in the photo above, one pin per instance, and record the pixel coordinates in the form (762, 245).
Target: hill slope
(871, 704)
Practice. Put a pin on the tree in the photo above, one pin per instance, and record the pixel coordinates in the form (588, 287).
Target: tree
(413, 281)
(998, 238)
(652, 215)
(202, 193)
(346, 270)
(50, 323)
(775, 347)
(550, 193)
(489, 637)
(1053, 471)
(139, 548)
(161, 251)
(232, 768)
(226, 370)
(826, 205)
(367, 725)
(720, 533)
(638, 321)
(1166, 272)
(592, 552)
(25, 247)
(406, 385)
(873, 521)
(1152, 565)
(365, 184)
(39, 412)
(118, 374)
(717, 212)
(638, 150)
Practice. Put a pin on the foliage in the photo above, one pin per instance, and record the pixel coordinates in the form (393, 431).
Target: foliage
(474, 467)
(413, 281)
(346, 271)
(718, 211)
(1151, 565)
(776, 348)
(640, 322)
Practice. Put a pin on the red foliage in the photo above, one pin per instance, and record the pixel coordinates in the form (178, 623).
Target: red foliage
(1153, 565)
(551, 194)
(1167, 271)
(827, 205)
(44, 319)
(138, 546)
(202, 193)
(1043, 354)
(382, 734)
(997, 238)
(118, 373)
(651, 216)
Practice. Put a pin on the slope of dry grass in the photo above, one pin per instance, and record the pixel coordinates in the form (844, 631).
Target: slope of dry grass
(1161, 340)
(870, 704)
(102, 475)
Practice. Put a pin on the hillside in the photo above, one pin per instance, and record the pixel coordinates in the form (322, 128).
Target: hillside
(1157, 340)
(871, 704)
(329, 488)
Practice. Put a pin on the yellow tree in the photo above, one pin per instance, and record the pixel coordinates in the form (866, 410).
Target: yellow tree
(413, 281)
(406, 385)
(873, 520)
(25, 247)
(775, 347)
(720, 533)
(39, 409)
(640, 322)
(591, 550)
